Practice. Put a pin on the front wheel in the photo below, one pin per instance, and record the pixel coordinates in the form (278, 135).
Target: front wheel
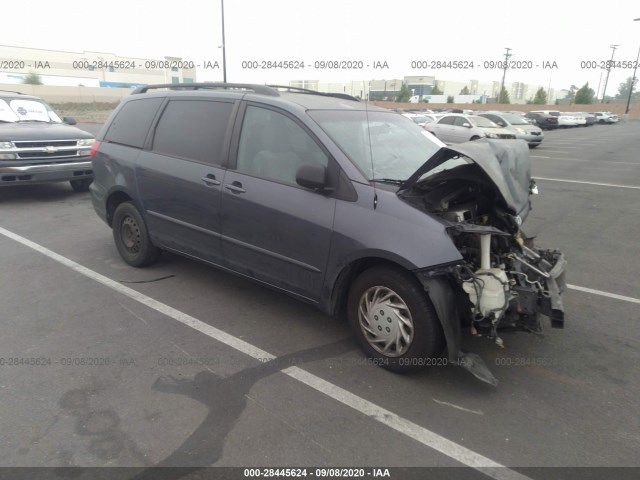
(81, 185)
(132, 238)
(393, 319)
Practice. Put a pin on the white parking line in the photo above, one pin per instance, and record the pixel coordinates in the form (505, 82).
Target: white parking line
(587, 160)
(412, 430)
(561, 146)
(604, 294)
(457, 407)
(586, 183)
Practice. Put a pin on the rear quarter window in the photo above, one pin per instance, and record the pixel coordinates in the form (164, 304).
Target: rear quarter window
(193, 129)
(132, 122)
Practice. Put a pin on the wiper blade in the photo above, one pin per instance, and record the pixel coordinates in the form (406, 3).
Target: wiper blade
(41, 121)
(394, 181)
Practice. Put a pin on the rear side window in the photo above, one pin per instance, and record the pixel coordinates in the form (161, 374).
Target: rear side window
(131, 125)
(447, 120)
(193, 129)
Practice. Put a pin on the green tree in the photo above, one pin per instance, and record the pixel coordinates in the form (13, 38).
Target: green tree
(623, 90)
(541, 97)
(504, 96)
(464, 91)
(32, 79)
(450, 99)
(585, 95)
(404, 95)
(436, 91)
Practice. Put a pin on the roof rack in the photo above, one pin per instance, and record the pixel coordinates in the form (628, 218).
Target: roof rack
(344, 96)
(11, 91)
(262, 89)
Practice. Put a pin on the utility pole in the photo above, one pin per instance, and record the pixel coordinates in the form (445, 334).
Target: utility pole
(507, 56)
(633, 80)
(224, 47)
(606, 80)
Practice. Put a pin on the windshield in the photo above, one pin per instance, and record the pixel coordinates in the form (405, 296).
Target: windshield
(482, 122)
(380, 144)
(421, 119)
(26, 110)
(514, 119)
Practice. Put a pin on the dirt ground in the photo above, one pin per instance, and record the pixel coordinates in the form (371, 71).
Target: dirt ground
(85, 112)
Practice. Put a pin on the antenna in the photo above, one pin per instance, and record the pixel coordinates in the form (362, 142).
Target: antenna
(366, 112)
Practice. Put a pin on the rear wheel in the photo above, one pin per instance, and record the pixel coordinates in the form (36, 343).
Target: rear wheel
(132, 238)
(394, 320)
(475, 137)
(533, 145)
(81, 185)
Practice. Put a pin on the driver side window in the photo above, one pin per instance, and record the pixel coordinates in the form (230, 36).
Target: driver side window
(460, 121)
(272, 146)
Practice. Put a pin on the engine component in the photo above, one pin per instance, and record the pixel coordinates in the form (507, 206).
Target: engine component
(488, 287)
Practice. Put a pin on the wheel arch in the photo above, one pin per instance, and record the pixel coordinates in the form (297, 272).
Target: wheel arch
(336, 303)
(114, 199)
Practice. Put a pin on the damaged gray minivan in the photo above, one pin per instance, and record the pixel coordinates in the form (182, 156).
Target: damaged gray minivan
(352, 208)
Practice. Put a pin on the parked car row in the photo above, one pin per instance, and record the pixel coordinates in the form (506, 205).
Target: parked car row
(571, 119)
(456, 126)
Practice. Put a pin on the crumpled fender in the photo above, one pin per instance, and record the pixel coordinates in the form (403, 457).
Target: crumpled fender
(443, 298)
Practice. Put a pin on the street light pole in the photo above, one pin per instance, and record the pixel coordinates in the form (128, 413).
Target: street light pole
(606, 80)
(504, 74)
(224, 47)
(633, 80)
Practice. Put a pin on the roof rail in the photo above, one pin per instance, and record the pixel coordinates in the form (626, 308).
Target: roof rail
(262, 89)
(344, 96)
(11, 91)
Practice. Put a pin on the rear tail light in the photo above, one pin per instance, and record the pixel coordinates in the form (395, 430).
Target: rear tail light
(94, 149)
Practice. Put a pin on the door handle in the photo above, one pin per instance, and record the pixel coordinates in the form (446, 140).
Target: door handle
(235, 187)
(210, 180)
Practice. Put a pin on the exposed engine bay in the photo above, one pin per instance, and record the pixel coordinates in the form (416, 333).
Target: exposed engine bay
(504, 281)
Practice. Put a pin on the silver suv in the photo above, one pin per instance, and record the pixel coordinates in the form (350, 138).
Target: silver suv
(458, 128)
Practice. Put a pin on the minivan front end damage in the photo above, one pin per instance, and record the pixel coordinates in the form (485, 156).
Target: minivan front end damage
(480, 191)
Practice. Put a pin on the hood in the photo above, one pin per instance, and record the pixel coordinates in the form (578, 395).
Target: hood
(505, 162)
(34, 131)
(527, 128)
(498, 131)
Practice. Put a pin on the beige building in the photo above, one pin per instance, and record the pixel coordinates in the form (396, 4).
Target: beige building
(91, 69)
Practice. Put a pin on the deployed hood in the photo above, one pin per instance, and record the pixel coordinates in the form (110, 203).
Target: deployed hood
(505, 162)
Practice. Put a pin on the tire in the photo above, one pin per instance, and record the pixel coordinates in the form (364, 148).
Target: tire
(423, 338)
(474, 138)
(533, 145)
(132, 238)
(81, 185)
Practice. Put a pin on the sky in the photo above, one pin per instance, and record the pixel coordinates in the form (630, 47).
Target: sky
(364, 32)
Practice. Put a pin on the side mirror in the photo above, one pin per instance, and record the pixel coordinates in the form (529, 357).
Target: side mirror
(69, 120)
(465, 124)
(312, 175)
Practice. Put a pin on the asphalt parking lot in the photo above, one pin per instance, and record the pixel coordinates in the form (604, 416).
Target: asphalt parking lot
(173, 365)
